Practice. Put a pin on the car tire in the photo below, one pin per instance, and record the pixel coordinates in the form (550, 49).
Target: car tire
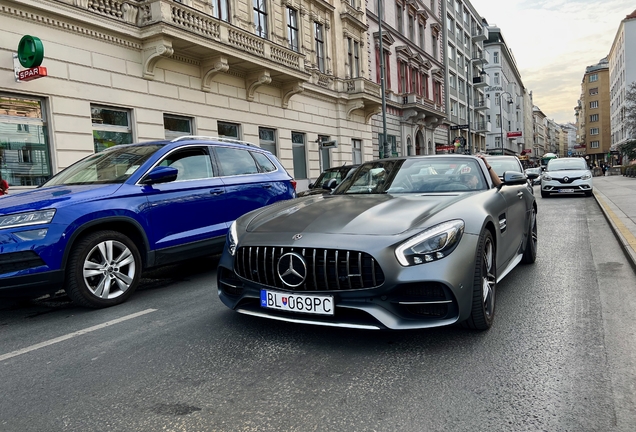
(530, 253)
(545, 194)
(103, 269)
(484, 285)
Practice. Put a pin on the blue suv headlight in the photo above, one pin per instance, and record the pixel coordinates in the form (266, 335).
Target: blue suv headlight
(26, 219)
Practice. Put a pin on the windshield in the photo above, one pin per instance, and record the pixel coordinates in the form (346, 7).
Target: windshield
(567, 164)
(415, 175)
(114, 165)
(502, 165)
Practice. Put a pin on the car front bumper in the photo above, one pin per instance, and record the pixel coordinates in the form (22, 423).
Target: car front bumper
(577, 186)
(433, 294)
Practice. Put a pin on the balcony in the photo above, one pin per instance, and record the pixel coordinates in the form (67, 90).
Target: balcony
(362, 94)
(479, 35)
(480, 57)
(422, 111)
(170, 29)
(481, 81)
(482, 104)
(483, 126)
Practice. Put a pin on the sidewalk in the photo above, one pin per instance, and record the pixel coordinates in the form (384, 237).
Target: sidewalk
(616, 195)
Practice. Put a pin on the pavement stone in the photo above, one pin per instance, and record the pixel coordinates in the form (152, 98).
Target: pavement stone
(616, 195)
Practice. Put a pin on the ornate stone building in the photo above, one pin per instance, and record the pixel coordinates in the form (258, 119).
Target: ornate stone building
(282, 74)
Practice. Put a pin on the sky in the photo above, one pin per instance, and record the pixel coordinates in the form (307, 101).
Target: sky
(553, 41)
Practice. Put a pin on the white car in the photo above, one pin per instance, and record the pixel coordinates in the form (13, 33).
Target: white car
(566, 176)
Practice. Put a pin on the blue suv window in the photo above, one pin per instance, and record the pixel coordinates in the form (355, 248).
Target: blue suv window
(264, 162)
(235, 161)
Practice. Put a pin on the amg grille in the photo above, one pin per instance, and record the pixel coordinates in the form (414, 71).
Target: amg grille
(326, 269)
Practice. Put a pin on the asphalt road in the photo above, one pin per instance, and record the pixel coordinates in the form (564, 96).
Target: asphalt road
(560, 357)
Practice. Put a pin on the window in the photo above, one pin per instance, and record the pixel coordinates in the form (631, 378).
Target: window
(451, 80)
(421, 34)
(496, 78)
(356, 145)
(495, 57)
(451, 53)
(192, 163)
(453, 108)
(460, 86)
(437, 92)
(234, 161)
(392, 142)
(111, 126)
(594, 91)
(594, 104)
(221, 10)
(260, 17)
(414, 88)
(402, 82)
(459, 30)
(594, 144)
(324, 153)
(593, 77)
(267, 139)
(594, 131)
(498, 121)
(497, 141)
(411, 27)
(263, 162)
(399, 17)
(466, 16)
(462, 112)
(229, 130)
(497, 99)
(594, 118)
(320, 46)
(299, 150)
(450, 24)
(292, 28)
(466, 41)
(353, 47)
(176, 126)
(24, 150)
(434, 39)
(458, 7)
(460, 62)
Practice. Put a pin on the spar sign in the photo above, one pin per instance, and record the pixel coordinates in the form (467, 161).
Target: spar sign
(30, 55)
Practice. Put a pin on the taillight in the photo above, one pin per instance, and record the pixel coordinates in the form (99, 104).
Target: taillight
(293, 183)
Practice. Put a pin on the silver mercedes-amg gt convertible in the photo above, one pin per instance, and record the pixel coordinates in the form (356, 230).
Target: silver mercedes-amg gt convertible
(402, 243)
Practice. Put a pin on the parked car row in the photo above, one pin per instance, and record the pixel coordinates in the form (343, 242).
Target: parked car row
(388, 244)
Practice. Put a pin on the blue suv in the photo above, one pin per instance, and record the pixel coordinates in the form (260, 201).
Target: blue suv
(95, 226)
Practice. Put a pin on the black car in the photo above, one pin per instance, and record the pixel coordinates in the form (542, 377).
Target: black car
(324, 183)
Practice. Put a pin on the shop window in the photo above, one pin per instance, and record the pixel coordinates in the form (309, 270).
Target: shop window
(176, 126)
(228, 130)
(267, 139)
(111, 126)
(299, 154)
(25, 158)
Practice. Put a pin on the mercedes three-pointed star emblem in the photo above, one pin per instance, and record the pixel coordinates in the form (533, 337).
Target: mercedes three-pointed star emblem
(292, 269)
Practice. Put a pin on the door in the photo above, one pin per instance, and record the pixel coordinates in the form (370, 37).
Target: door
(515, 219)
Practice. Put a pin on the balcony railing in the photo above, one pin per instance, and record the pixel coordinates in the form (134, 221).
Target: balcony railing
(482, 104)
(478, 34)
(483, 126)
(481, 81)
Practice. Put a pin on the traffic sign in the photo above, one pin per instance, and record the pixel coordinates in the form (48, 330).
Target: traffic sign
(456, 127)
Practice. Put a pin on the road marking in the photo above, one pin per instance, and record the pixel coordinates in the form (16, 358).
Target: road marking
(72, 335)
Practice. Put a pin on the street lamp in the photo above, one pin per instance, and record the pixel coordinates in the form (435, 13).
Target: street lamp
(501, 118)
(469, 90)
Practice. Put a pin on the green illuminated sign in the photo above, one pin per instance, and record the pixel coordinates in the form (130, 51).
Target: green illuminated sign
(30, 51)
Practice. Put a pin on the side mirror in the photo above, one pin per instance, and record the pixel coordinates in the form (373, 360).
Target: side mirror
(532, 175)
(330, 184)
(514, 178)
(160, 174)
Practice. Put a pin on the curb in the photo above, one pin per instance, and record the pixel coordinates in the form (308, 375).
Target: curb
(624, 236)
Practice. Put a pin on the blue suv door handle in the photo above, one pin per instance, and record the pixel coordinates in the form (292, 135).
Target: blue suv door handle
(217, 191)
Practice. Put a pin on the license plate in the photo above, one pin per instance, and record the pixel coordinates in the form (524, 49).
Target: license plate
(309, 304)
(566, 190)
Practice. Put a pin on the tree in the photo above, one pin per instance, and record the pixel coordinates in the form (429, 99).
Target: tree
(629, 148)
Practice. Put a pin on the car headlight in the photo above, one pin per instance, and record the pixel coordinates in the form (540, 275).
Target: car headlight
(431, 245)
(547, 177)
(586, 176)
(26, 219)
(232, 239)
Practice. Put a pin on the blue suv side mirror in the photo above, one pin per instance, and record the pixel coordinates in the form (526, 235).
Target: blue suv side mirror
(160, 174)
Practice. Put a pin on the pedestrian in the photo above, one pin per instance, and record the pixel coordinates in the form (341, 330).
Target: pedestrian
(4, 186)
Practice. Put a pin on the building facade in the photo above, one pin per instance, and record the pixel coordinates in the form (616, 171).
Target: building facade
(413, 76)
(622, 66)
(594, 114)
(539, 132)
(464, 34)
(121, 72)
(508, 98)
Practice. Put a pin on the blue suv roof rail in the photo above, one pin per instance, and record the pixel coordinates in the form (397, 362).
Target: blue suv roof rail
(211, 138)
